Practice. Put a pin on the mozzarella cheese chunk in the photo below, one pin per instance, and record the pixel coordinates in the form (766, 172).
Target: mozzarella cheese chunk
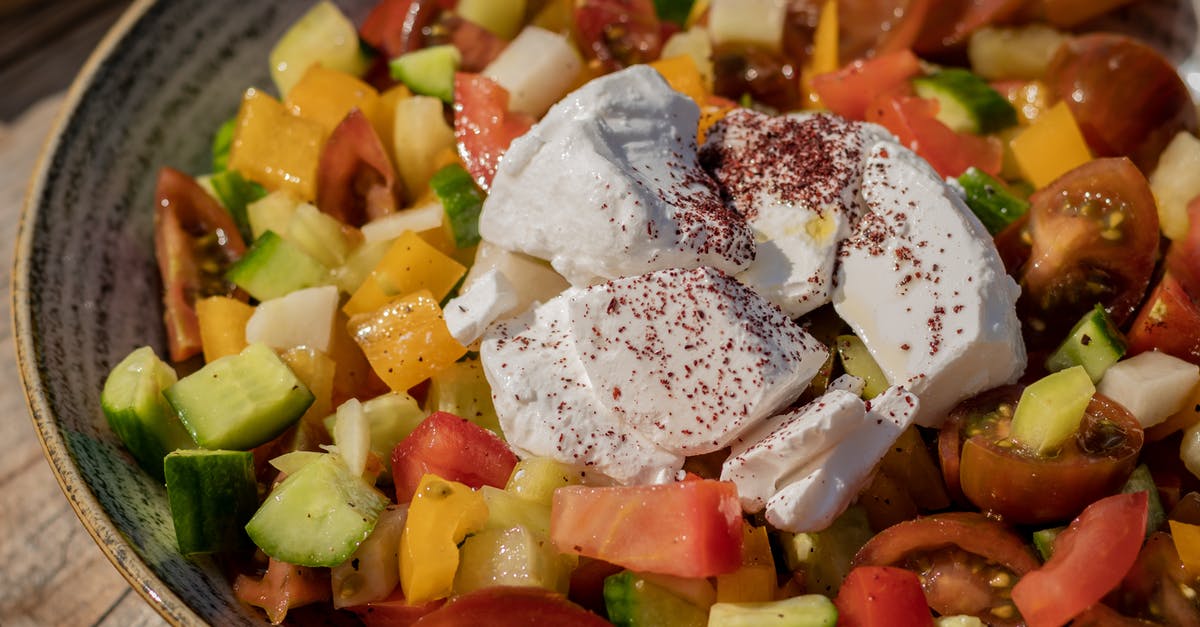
(796, 181)
(806, 467)
(923, 286)
(608, 184)
(489, 298)
(677, 361)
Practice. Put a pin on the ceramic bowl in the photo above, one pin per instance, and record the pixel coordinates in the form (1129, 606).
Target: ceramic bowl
(85, 286)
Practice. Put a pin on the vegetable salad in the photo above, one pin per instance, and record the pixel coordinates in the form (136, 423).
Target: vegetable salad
(347, 436)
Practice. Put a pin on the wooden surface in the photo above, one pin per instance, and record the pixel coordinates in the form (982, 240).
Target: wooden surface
(51, 571)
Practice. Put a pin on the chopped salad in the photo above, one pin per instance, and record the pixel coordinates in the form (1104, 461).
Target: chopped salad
(689, 312)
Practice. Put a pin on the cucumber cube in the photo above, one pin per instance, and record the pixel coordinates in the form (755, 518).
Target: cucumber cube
(633, 601)
(138, 413)
(212, 494)
(810, 610)
(275, 267)
(511, 557)
(428, 72)
(1094, 343)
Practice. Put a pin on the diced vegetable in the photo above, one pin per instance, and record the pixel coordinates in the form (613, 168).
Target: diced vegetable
(507, 510)
(239, 401)
(1043, 541)
(429, 72)
(501, 18)
(316, 371)
(511, 557)
(137, 411)
(1175, 184)
(694, 44)
(235, 193)
(857, 361)
(222, 141)
(211, 494)
(462, 389)
(373, 571)
(1050, 147)
(462, 201)
(966, 102)
(272, 212)
(274, 148)
(825, 56)
(275, 267)
(410, 264)
(882, 596)
(390, 418)
(1094, 343)
(325, 96)
(323, 35)
(352, 436)
(300, 318)
(406, 341)
(222, 326)
(283, 587)
(319, 235)
(537, 69)
(420, 133)
(484, 124)
(454, 449)
(632, 601)
(1187, 543)
(1150, 385)
(534, 279)
(318, 516)
(754, 582)
(441, 515)
(1142, 481)
(809, 610)
(536, 479)
(825, 556)
(1013, 53)
(757, 22)
(849, 91)
(1050, 410)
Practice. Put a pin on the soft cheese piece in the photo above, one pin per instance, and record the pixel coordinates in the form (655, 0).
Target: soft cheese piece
(548, 408)
(489, 298)
(796, 181)
(629, 376)
(608, 184)
(832, 481)
(923, 286)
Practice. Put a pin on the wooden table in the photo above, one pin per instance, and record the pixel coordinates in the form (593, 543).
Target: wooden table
(51, 572)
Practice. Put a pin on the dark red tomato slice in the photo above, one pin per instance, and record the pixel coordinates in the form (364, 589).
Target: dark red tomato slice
(1068, 13)
(768, 78)
(1153, 588)
(356, 182)
(872, 27)
(398, 26)
(284, 586)
(483, 125)
(950, 23)
(1127, 98)
(1090, 559)
(914, 122)
(195, 240)
(1169, 322)
(394, 611)
(508, 606)
(849, 91)
(587, 583)
(453, 449)
(618, 33)
(882, 596)
(687, 529)
(1183, 257)
(1094, 238)
(966, 562)
(478, 45)
(1024, 488)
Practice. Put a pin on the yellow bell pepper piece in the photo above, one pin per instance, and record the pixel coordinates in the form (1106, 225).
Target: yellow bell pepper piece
(755, 581)
(825, 53)
(222, 326)
(1050, 147)
(699, 9)
(683, 76)
(410, 264)
(1187, 543)
(442, 513)
(315, 370)
(406, 341)
(325, 96)
(275, 148)
(384, 117)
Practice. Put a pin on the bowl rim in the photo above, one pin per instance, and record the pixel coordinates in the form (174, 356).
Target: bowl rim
(99, 525)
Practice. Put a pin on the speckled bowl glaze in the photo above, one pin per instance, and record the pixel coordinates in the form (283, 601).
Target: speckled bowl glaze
(85, 286)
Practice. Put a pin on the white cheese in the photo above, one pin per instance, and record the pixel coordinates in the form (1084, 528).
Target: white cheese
(923, 286)
(533, 280)
(300, 318)
(848, 383)
(796, 180)
(488, 299)
(1150, 385)
(608, 185)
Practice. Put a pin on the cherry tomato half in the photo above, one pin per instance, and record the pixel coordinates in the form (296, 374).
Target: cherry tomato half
(1169, 322)
(1000, 478)
(356, 182)
(618, 33)
(1094, 238)
(870, 27)
(882, 596)
(967, 562)
(1153, 589)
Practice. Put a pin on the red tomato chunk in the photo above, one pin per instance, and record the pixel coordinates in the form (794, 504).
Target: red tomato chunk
(453, 449)
(882, 596)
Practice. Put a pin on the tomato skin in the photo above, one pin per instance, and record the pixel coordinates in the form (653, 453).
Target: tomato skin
(483, 125)
(184, 214)
(284, 586)
(454, 449)
(1169, 322)
(949, 23)
(478, 45)
(394, 611)
(1127, 98)
(510, 606)
(687, 529)
(1090, 558)
(1152, 587)
(356, 182)
(1095, 238)
(849, 91)
(913, 120)
(882, 596)
(868, 28)
(397, 26)
(587, 583)
(618, 33)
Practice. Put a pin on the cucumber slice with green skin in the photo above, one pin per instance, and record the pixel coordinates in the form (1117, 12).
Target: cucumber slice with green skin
(240, 401)
(428, 72)
(318, 516)
(1051, 409)
(632, 601)
(462, 200)
(222, 142)
(810, 610)
(1142, 481)
(857, 361)
(1094, 343)
(1043, 541)
(212, 494)
(825, 555)
(966, 102)
(234, 193)
(991, 200)
(674, 11)
(139, 414)
(274, 267)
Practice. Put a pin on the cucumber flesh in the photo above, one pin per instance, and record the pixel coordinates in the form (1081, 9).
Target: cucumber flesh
(1094, 343)
(507, 510)
(274, 267)
(825, 556)
(1142, 481)
(857, 361)
(674, 11)
(1043, 541)
(139, 414)
(240, 401)
(221, 143)
(632, 601)
(966, 102)
(428, 72)
(511, 557)
(322, 35)
(991, 200)
(318, 516)
(1051, 409)
(212, 494)
(536, 478)
(810, 610)
(462, 389)
(462, 200)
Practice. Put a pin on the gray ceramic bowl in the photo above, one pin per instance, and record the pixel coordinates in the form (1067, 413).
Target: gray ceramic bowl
(85, 286)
